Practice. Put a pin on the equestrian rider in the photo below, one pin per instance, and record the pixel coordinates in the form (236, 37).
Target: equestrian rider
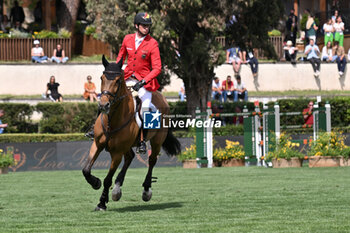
(144, 64)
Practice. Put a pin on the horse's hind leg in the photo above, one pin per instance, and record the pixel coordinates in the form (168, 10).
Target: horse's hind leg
(152, 160)
(117, 192)
(116, 158)
(93, 154)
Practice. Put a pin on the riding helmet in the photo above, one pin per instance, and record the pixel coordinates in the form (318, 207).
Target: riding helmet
(143, 18)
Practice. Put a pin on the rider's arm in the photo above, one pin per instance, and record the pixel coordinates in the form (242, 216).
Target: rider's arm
(122, 51)
(156, 64)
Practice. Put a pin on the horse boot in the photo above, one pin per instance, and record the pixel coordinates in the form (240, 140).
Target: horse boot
(90, 134)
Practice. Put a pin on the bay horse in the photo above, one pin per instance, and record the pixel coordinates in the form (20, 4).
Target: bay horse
(117, 131)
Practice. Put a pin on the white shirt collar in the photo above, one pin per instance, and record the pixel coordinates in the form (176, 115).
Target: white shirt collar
(138, 40)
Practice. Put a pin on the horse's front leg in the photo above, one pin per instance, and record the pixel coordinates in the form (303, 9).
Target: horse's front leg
(93, 154)
(117, 192)
(116, 158)
(152, 160)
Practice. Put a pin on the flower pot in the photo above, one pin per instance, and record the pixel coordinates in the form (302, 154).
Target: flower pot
(324, 161)
(281, 163)
(344, 162)
(191, 163)
(4, 170)
(230, 163)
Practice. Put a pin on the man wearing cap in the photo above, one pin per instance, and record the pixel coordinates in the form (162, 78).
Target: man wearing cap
(38, 55)
(144, 65)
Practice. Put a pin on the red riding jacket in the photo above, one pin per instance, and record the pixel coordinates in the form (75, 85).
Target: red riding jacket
(143, 63)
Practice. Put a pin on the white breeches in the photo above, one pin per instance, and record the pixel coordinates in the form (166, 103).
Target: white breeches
(145, 96)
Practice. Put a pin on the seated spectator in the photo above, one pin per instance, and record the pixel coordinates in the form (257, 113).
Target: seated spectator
(216, 90)
(59, 55)
(5, 25)
(227, 88)
(339, 52)
(90, 90)
(2, 126)
(349, 54)
(52, 86)
(312, 51)
(234, 56)
(240, 90)
(327, 52)
(182, 94)
(307, 113)
(248, 57)
(290, 52)
(38, 55)
(328, 32)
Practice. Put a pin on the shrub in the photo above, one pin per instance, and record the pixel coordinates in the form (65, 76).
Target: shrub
(17, 116)
(6, 159)
(45, 34)
(64, 33)
(90, 30)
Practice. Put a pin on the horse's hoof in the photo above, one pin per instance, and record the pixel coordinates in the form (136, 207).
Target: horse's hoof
(146, 195)
(100, 208)
(97, 185)
(116, 192)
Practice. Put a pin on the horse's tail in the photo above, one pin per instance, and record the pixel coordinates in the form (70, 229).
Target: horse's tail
(171, 145)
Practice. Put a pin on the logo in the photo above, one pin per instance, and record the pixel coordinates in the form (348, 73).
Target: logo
(146, 16)
(151, 120)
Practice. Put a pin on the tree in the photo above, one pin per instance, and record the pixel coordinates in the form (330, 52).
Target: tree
(67, 13)
(189, 28)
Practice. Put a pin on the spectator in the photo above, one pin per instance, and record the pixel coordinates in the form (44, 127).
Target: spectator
(349, 54)
(292, 27)
(52, 86)
(290, 52)
(234, 56)
(2, 126)
(38, 55)
(90, 90)
(240, 90)
(216, 90)
(59, 55)
(17, 14)
(327, 54)
(328, 32)
(334, 17)
(5, 24)
(307, 113)
(227, 88)
(312, 51)
(182, 94)
(248, 57)
(339, 52)
(311, 28)
(339, 31)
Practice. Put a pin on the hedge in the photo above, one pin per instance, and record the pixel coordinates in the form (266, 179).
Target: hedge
(17, 138)
(77, 117)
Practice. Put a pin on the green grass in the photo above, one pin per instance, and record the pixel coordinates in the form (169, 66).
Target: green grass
(184, 200)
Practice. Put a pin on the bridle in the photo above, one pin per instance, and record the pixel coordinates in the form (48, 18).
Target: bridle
(110, 75)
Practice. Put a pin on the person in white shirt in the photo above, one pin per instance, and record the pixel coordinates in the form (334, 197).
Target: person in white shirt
(290, 52)
(182, 94)
(339, 31)
(328, 32)
(327, 54)
(349, 55)
(240, 90)
(37, 53)
(216, 90)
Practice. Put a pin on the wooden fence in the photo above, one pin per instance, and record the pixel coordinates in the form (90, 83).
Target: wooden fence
(14, 49)
(276, 41)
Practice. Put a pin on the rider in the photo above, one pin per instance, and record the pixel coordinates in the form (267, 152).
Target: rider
(144, 64)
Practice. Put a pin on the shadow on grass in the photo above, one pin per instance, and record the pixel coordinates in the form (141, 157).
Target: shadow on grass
(150, 207)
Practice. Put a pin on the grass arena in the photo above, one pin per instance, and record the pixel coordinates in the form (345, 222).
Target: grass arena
(241, 199)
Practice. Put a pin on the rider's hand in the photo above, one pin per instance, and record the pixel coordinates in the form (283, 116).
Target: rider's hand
(138, 85)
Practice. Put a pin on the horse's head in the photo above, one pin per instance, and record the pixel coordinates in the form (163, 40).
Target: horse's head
(111, 83)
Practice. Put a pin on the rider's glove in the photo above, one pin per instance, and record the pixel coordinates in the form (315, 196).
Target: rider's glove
(138, 85)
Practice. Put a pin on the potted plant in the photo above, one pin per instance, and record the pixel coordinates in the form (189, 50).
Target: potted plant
(327, 150)
(232, 155)
(188, 157)
(285, 153)
(6, 160)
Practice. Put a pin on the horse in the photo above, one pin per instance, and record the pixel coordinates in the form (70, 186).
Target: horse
(117, 131)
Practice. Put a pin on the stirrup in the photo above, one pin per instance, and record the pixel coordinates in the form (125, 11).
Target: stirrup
(142, 148)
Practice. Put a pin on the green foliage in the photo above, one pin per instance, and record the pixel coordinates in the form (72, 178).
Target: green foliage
(46, 34)
(303, 22)
(64, 33)
(189, 153)
(17, 116)
(20, 138)
(90, 30)
(6, 159)
(328, 144)
(285, 149)
(274, 32)
(232, 150)
(18, 34)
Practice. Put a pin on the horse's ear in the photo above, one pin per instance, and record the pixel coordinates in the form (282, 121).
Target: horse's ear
(120, 63)
(104, 61)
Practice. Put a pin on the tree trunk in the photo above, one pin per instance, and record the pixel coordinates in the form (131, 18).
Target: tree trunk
(67, 13)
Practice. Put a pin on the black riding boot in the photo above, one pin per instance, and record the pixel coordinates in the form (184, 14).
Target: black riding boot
(91, 134)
